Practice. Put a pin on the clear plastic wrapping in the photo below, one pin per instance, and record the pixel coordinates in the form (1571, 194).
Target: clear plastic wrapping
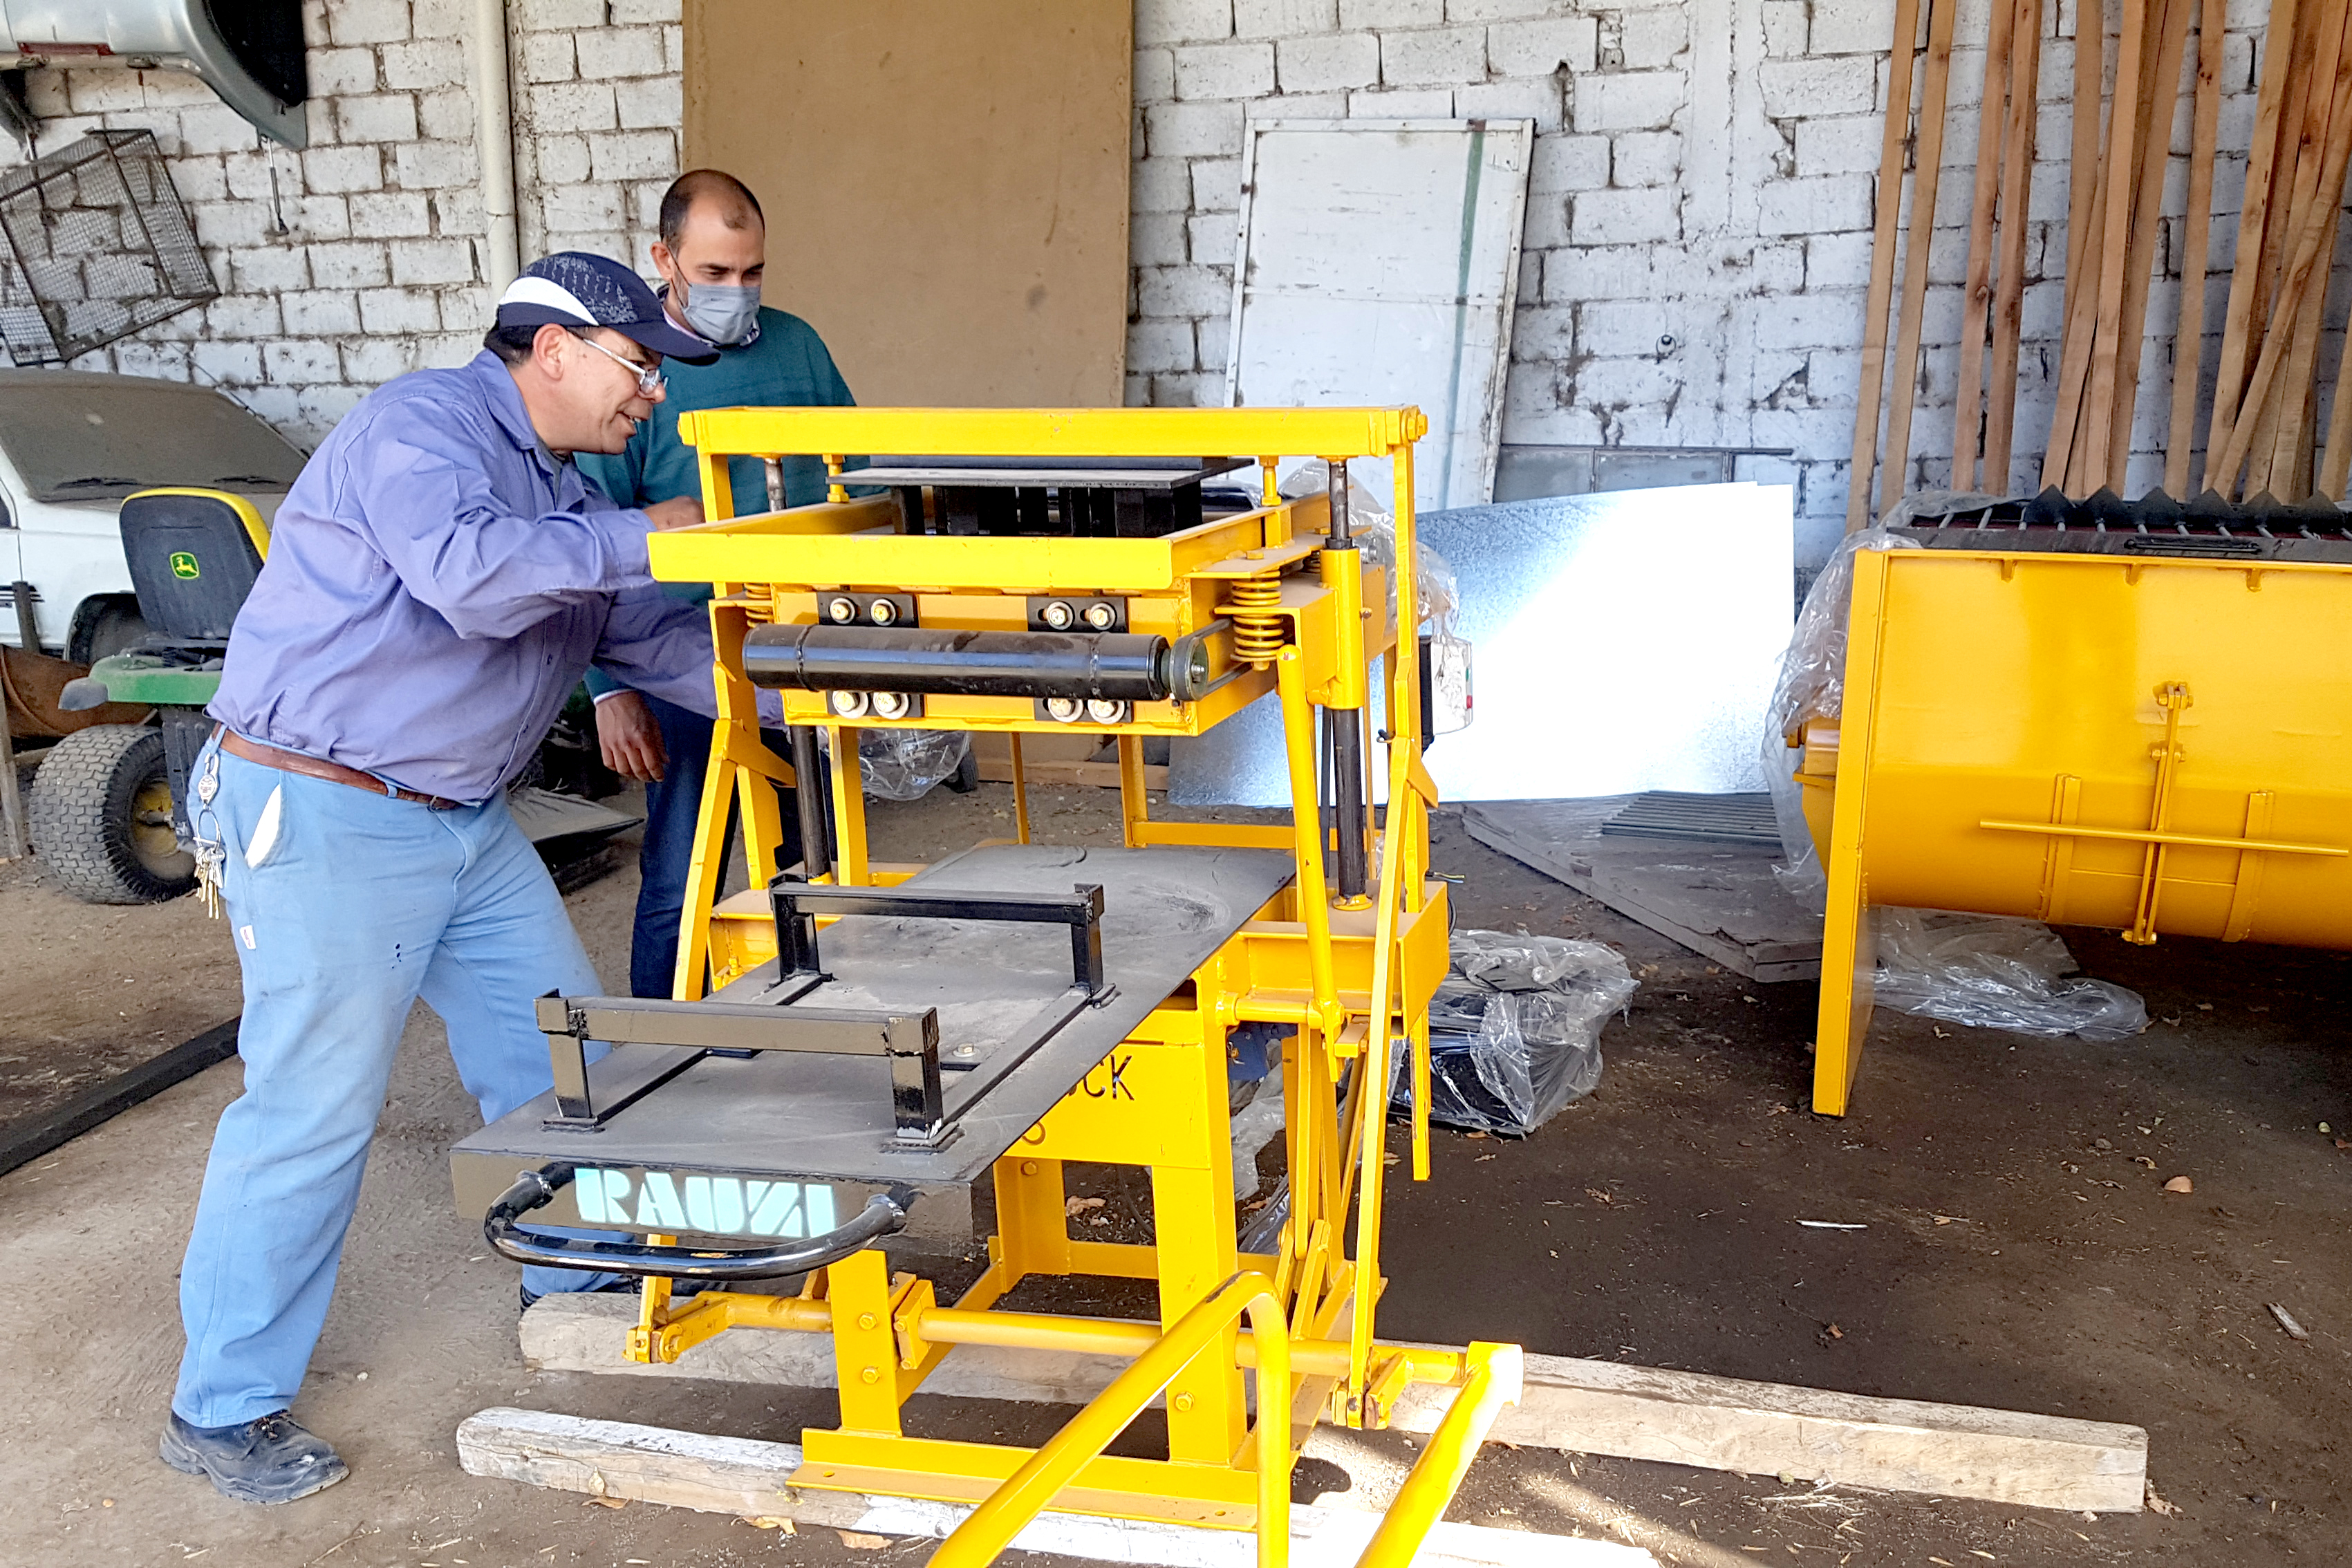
(1995, 972)
(1514, 1030)
(1813, 686)
(903, 764)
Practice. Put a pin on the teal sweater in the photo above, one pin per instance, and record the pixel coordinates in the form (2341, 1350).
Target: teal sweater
(786, 367)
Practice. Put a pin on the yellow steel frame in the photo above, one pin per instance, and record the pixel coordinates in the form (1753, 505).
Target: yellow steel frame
(1348, 981)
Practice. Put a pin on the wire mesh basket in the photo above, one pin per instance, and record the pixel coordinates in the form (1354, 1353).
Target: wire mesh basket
(99, 247)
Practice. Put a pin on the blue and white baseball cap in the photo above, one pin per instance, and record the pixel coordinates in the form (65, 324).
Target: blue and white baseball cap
(573, 289)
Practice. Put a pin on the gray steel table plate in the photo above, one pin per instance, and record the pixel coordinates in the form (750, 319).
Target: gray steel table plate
(791, 1116)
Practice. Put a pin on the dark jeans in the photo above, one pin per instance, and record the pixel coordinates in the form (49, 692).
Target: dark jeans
(672, 804)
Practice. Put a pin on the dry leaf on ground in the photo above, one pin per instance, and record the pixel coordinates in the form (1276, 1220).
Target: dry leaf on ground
(1077, 1206)
(2181, 1184)
(861, 1541)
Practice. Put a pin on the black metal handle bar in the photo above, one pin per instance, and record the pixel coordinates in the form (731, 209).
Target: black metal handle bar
(884, 1215)
(910, 1041)
(1080, 909)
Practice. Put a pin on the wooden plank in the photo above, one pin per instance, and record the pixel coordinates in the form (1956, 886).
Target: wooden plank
(750, 1478)
(2158, 111)
(2083, 162)
(1895, 472)
(2189, 330)
(2288, 475)
(2336, 467)
(2303, 129)
(1607, 1407)
(1771, 1428)
(2245, 281)
(2124, 138)
(2086, 177)
(1975, 292)
(22, 1142)
(1002, 124)
(1860, 474)
(2016, 208)
(2312, 218)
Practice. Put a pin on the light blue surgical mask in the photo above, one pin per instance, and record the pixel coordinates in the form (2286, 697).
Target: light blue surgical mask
(726, 315)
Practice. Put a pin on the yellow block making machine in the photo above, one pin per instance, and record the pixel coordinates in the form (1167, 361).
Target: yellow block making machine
(856, 1047)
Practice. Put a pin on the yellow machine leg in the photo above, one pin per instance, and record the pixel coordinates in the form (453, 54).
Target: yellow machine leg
(1849, 950)
(865, 1351)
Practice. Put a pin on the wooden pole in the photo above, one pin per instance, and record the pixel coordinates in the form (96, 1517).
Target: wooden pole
(2086, 180)
(2303, 133)
(2189, 335)
(2016, 201)
(2288, 473)
(2115, 242)
(1859, 471)
(2245, 284)
(2335, 462)
(2159, 107)
(1976, 306)
(1895, 472)
(2311, 225)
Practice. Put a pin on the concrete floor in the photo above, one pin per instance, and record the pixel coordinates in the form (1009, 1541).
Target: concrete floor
(1651, 1223)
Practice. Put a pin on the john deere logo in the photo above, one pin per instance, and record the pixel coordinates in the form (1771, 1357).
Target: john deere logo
(184, 565)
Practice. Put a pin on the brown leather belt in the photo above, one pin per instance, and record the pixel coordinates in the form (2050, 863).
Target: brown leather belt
(289, 761)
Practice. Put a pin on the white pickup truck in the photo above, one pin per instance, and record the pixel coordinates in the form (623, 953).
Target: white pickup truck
(72, 445)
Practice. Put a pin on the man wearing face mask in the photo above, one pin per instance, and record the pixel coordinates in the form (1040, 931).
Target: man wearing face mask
(712, 255)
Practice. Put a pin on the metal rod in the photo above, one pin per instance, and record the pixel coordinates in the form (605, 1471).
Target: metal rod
(808, 794)
(1348, 796)
(1122, 1337)
(989, 1529)
(1495, 1381)
(1020, 787)
(2148, 836)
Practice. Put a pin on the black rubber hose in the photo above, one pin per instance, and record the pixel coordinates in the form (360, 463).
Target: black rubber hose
(884, 1214)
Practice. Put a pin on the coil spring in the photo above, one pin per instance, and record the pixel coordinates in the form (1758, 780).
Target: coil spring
(1257, 632)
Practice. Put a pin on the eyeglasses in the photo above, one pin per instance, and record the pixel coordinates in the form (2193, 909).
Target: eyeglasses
(650, 381)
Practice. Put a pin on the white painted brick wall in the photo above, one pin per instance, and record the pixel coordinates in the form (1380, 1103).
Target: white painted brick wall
(1697, 234)
(361, 258)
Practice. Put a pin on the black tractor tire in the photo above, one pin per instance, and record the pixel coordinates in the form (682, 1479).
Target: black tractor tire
(101, 818)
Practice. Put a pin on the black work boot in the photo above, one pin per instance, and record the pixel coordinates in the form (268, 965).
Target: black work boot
(269, 1461)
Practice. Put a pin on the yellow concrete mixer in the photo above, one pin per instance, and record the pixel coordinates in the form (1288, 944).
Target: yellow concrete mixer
(2147, 728)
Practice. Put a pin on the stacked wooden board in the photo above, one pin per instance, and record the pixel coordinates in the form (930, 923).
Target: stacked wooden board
(2165, 60)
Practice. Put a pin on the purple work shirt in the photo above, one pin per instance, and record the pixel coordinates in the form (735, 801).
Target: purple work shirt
(438, 583)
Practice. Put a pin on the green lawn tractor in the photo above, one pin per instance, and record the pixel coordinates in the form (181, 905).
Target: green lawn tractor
(109, 808)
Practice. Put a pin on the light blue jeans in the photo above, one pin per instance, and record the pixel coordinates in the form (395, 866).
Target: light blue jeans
(346, 907)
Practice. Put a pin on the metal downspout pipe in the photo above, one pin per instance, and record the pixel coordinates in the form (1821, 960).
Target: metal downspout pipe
(494, 142)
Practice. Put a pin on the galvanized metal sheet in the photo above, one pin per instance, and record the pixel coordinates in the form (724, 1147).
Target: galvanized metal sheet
(1622, 642)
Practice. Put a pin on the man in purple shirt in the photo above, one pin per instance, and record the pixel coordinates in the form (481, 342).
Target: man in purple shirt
(438, 579)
